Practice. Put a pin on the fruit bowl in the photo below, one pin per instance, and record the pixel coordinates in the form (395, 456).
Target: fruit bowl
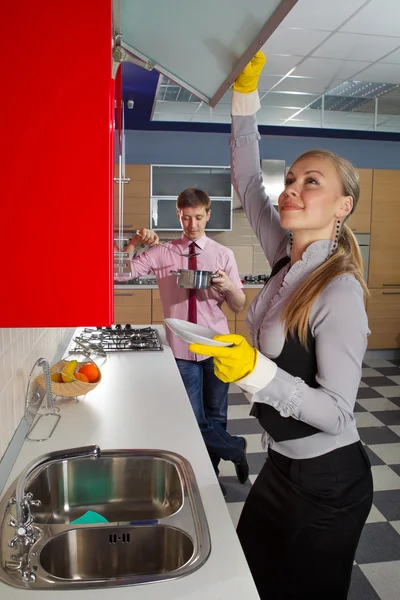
(75, 388)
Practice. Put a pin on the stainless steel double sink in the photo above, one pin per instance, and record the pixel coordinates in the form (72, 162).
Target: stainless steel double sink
(156, 530)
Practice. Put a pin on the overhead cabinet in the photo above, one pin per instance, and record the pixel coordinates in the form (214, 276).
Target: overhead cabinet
(168, 181)
(212, 41)
(56, 159)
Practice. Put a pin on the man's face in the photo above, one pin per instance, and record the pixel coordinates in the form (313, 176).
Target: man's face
(193, 220)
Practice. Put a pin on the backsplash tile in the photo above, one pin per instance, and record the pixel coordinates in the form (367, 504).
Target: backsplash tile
(244, 243)
(19, 350)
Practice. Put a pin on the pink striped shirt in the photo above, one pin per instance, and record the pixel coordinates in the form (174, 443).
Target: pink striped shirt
(160, 261)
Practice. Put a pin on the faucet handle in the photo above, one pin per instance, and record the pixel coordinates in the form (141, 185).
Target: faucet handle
(35, 503)
(23, 536)
(29, 501)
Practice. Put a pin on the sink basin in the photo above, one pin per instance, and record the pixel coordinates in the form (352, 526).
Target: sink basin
(89, 554)
(121, 487)
(156, 527)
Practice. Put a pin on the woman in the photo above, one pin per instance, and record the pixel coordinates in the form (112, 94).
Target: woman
(303, 517)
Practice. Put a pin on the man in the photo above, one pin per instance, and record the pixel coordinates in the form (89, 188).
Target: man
(208, 395)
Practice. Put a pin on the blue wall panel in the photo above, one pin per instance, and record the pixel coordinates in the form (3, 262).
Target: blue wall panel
(199, 148)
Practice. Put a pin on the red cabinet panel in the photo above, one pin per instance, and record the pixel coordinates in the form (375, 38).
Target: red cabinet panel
(56, 107)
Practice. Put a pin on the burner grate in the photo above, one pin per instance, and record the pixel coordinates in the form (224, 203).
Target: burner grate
(123, 338)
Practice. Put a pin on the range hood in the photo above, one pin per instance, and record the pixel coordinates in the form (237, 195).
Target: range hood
(203, 46)
(273, 174)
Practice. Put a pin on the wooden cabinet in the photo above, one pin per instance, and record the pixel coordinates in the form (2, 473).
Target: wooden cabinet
(56, 188)
(241, 327)
(136, 198)
(360, 221)
(383, 308)
(132, 306)
(157, 316)
(384, 269)
(144, 306)
(230, 316)
(250, 294)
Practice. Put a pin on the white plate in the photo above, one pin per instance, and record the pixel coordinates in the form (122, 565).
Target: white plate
(190, 332)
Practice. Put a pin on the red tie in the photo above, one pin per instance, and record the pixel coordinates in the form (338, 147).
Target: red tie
(192, 293)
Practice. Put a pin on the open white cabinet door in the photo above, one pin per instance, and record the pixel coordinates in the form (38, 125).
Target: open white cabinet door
(202, 45)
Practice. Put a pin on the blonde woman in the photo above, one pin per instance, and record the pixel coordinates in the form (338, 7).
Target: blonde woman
(302, 520)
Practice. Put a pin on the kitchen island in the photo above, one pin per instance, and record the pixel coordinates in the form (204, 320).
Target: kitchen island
(142, 403)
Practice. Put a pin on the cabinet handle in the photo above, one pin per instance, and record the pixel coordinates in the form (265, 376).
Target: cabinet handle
(354, 228)
(391, 293)
(391, 285)
(131, 294)
(121, 180)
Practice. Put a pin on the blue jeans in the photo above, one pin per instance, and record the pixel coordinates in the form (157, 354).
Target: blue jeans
(208, 396)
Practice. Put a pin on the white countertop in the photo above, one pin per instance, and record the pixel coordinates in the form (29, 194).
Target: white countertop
(127, 286)
(142, 403)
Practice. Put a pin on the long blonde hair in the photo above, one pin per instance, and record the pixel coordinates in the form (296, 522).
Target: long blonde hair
(346, 258)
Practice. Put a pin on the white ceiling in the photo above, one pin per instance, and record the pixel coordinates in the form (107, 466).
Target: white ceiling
(318, 46)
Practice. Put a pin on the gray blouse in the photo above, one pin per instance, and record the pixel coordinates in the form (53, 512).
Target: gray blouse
(338, 319)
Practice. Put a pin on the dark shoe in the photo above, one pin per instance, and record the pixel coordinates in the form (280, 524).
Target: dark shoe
(242, 467)
(223, 489)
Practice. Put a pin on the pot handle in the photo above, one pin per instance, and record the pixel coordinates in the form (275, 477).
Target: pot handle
(175, 272)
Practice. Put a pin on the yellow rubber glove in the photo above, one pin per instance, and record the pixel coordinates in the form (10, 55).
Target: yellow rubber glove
(231, 363)
(247, 81)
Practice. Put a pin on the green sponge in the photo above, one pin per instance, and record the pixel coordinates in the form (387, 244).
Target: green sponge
(89, 517)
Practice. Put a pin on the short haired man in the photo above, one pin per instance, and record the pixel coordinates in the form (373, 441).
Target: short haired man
(208, 394)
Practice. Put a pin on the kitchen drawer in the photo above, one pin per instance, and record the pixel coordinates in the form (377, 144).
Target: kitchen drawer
(383, 308)
(156, 308)
(250, 294)
(132, 306)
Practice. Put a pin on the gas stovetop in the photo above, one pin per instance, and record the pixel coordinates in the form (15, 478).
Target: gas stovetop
(120, 338)
(255, 279)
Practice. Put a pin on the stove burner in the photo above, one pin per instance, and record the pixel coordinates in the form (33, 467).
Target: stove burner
(255, 279)
(122, 338)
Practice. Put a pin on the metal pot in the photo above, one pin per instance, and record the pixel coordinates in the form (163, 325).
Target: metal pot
(194, 280)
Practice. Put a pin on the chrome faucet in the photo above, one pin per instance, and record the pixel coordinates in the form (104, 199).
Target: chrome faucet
(24, 531)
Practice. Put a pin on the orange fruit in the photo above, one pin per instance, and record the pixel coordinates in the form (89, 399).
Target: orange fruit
(81, 377)
(91, 372)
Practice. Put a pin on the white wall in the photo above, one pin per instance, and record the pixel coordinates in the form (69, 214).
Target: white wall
(19, 349)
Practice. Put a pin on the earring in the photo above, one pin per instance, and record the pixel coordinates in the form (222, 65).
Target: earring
(336, 239)
(290, 240)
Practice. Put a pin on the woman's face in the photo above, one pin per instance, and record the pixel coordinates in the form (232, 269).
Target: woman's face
(313, 197)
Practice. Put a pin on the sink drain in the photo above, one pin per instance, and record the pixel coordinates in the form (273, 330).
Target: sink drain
(115, 538)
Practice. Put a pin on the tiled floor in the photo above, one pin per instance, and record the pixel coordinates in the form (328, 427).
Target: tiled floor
(376, 574)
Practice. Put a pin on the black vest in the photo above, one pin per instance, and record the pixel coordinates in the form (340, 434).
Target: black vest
(299, 362)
